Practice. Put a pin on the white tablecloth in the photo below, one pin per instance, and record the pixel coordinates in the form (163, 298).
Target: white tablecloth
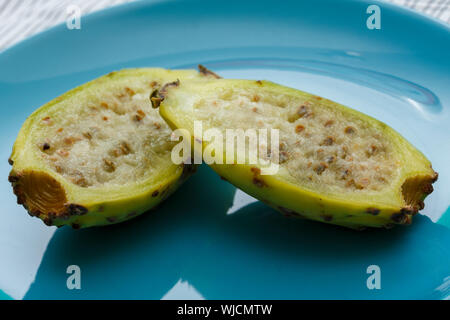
(20, 19)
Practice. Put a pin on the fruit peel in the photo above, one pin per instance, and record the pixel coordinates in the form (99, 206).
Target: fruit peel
(57, 200)
(400, 199)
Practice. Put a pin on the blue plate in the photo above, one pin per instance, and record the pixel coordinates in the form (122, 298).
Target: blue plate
(210, 240)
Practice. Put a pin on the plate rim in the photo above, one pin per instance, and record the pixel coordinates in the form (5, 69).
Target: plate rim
(142, 3)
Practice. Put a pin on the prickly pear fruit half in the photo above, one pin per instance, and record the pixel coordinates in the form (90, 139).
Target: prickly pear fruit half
(99, 154)
(335, 165)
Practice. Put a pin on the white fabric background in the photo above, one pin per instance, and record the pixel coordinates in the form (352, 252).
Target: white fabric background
(20, 19)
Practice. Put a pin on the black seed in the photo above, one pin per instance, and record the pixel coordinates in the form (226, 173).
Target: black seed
(109, 165)
(76, 226)
(52, 215)
(258, 182)
(34, 213)
(328, 141)
(45, 146)
(290, 213)
(345, 174)
(330, 159)
(20, 199)
(286, 211)
(284, 156)
(373, 211)
(155, 193)
(13, 179)
(111, 219)
(302, 111)
(427, 188)
(349, 130)
(132, 214)
(188, 170)
(320, 168)
(434, 179)
(398, 217)
(421, 205)
(76, 209)
(408, 210)
(327, 217)
(10, 161)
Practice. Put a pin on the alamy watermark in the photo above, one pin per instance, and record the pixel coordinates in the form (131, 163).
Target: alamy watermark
(374, 20)
(73, 20)
(259, 147)
(374, 280)
(74, 280)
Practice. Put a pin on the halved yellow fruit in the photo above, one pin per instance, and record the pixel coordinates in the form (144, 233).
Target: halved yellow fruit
(335, 164)
(99, 154)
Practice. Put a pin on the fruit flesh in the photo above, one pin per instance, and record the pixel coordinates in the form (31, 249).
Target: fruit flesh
(99, 154)
(336, 165)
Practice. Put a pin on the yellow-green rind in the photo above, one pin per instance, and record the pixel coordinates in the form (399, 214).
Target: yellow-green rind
(57, 201)
(402, 199)
(103, 211)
